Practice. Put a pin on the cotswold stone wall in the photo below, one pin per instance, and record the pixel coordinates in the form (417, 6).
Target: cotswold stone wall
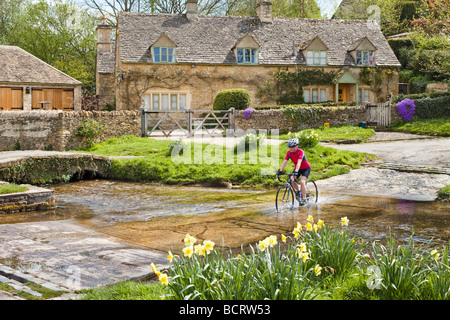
(55, 130)
(278, 119)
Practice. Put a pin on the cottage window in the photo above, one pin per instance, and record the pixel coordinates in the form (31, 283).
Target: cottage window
(163, 54)
(314, 95)
(165, 101)
(363, 95)
(247, 56)
(365, 58)
(316, 57)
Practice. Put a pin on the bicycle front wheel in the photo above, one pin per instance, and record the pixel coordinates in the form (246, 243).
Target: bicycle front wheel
(312, 193)
(285, 198)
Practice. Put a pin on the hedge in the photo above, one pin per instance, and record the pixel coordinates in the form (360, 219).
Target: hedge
(238, 99)
(430, 108)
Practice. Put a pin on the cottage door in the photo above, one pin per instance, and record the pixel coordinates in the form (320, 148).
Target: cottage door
(343, 93)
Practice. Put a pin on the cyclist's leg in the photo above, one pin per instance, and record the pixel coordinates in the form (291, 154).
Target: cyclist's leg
(304, 176)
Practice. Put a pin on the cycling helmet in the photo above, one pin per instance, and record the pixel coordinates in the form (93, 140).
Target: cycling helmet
(292, 143)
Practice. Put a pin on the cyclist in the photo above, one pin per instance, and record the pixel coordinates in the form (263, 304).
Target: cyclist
(301, 168)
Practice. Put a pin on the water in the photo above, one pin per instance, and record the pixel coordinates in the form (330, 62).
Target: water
(158, 216)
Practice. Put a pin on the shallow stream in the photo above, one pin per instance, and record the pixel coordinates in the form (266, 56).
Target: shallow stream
(159, 216)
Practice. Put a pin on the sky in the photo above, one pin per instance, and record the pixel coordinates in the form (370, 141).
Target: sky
(326, 6)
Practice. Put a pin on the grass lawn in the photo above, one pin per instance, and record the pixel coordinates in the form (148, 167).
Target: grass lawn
(209, 164)
(432, 127)
(11, 188)
(335, 133)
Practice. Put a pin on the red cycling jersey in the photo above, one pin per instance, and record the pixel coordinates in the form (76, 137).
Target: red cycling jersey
(295, 156)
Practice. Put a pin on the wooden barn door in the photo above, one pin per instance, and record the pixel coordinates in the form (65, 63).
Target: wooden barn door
(52, 99)
(11, 99)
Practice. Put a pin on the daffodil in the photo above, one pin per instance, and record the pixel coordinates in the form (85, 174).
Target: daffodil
(317, 270)
(283, 238)
(170, 256)
(272, 241)
(208, 245)
(308, 226)
(435, 254)
(263, 244)
(344, 221)
(188, 251)
(164, 278)
(305, 256)
(315, 227)
(199, 250)
(320, 223)
(296, 233)
(302, 246)
(310, 218)
(153, 267)
(189, 240)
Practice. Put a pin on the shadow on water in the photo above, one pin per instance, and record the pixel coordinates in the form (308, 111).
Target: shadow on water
(159, 216)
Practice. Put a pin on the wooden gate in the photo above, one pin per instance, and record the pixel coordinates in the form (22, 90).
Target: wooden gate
(379, 115)
(185, 123)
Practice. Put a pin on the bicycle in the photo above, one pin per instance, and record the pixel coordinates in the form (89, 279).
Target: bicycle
(285, 194)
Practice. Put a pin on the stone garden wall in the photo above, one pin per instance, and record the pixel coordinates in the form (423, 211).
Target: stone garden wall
(313, 117)
(55, 130)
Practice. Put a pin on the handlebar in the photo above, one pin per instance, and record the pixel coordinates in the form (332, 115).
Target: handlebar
(283, 174)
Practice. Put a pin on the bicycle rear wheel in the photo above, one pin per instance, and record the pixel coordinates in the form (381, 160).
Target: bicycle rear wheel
(312, 193)
(285, 198)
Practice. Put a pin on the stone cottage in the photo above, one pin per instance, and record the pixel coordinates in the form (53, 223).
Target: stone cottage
(181, 61)
(28, 83)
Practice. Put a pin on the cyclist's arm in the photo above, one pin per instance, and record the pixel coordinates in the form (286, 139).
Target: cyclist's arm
(283, 165)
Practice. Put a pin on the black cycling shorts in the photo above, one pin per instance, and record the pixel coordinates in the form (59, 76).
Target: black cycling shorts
(304, 172)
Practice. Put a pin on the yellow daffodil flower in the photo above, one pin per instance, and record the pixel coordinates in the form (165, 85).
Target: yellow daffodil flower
(320, 223)
(188, 251)
(170, 256)
(283, 238)
(164, 279)
(317, 270)
(305, 256)
(189, 240)
(208, 245)
(344, 221)
(310, 218)
(308, 226)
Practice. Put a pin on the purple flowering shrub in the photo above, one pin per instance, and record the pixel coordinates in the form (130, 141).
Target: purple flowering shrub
(406, 108)
(248, 113)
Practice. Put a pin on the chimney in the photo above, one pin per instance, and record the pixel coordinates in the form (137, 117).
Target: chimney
(191, 9)
(264, 11)
(104, 36)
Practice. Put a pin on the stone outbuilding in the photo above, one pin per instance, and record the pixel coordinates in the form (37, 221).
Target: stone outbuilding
(28, 83)
(181, 61)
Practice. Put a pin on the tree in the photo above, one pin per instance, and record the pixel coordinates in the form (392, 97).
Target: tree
(60, 33)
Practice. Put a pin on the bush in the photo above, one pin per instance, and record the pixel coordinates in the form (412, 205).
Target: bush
(232, 98)
(307, 139)
(430, 108)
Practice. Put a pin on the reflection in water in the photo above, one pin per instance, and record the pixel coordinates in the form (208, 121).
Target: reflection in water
(158, 216)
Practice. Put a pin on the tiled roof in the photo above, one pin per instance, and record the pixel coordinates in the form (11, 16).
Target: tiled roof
(210, 39)
(19, 66)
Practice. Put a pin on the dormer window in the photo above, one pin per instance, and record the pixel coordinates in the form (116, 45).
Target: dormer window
(163, 54)
(246, 50)
(164, 50)
(247, 56)
(365, 58)
(316, 57)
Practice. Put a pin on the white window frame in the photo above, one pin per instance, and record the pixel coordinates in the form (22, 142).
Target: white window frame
(157, 57)
(365, 57)
(166, 101)
(247, 55)
(315, 95)
(363, 95)
(316, 57)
